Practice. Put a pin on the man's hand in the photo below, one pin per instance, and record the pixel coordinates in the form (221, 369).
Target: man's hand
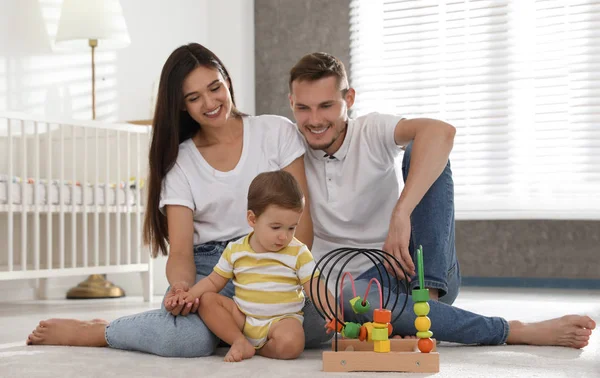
(396, 244)
(175, 305)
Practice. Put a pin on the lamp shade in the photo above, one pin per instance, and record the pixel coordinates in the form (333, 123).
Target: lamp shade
(82, 20)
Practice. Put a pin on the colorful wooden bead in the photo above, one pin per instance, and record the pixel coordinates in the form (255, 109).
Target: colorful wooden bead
(382, 316)
(420, 295)
(425, 345)
(379, 334)
(381, 346)
(362, 334)
(353, 301)
(379, 325)
(334, 325)
(351, 330)
(359, 307)
(421, 308)
(422, 323)
(369, 328)
(424, 335)
(390, 329)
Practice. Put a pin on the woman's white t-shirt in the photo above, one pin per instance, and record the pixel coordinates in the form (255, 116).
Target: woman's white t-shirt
(219, 199)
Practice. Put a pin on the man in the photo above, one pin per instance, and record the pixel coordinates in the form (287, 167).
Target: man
(356, 202)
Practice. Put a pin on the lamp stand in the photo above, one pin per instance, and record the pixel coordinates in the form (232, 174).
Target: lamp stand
(96, 285)
(93, 44)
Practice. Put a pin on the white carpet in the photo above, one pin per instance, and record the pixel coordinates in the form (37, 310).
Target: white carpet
(18, 360)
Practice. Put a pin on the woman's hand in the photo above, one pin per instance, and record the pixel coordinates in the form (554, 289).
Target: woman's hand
(175, 303)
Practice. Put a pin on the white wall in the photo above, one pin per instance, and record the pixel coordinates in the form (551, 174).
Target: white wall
(36, 79)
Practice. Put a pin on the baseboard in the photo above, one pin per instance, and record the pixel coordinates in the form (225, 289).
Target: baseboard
(528, 282)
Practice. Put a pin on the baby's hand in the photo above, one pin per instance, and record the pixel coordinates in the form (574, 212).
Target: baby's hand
(186, 297)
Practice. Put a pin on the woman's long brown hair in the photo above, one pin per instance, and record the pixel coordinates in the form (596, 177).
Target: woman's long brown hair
(171, 126)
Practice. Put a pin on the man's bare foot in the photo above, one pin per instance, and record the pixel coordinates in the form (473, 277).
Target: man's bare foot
(69, 332)
(569, 331)
(241, 349)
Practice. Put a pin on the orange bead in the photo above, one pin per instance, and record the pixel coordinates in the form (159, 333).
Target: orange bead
(333, 324)
(390, 328)
(382, 316)
(362, 334)
(425, 345)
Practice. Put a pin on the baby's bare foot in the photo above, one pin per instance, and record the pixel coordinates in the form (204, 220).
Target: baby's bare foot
(69, 332)
(241, 349)
(572, 331)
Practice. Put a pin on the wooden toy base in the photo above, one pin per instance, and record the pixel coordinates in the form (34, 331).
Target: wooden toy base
(355, 355)
(396, 345)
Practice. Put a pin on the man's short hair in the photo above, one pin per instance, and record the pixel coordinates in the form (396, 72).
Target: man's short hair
(318, 65)
(277, 188)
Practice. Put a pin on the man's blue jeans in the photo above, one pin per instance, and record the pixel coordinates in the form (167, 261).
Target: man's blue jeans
(432, 224)
(158, 332)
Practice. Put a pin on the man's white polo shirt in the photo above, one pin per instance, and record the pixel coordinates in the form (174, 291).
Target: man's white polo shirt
(353, 192)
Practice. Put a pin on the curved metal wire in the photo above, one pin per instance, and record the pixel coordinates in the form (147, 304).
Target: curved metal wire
(376, 256)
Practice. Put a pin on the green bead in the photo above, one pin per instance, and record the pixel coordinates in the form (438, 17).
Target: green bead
(359, 308)
(421, 308)
(420, 295)
(379, 334)
(351, 330)
(424, 335)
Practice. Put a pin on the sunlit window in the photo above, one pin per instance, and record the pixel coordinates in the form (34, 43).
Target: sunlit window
(520, 80)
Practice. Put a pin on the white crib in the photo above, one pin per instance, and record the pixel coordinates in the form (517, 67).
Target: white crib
(72, 198)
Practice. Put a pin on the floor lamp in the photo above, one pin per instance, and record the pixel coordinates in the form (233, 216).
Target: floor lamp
(93, 23)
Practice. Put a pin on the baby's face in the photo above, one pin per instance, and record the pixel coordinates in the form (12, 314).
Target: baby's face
(274, 229)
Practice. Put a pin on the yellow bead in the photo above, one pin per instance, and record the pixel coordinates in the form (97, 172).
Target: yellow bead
(353, 302)
(421, 308)
(381, 346)
(369, 327)
(380, 325)
(379, 334)
(422, 323)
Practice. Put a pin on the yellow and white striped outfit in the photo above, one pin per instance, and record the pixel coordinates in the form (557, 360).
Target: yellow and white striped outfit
(268, 286)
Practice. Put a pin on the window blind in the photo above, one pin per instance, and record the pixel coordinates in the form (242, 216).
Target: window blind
(519, 79)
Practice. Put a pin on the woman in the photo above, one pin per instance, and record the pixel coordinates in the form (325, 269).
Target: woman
(203, 156)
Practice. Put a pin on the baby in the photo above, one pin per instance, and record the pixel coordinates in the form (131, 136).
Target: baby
(269, 268)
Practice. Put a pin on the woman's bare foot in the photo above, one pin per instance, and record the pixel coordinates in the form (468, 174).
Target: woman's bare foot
(69, 332)
(241, 349)
(99, 321)
(572, 331)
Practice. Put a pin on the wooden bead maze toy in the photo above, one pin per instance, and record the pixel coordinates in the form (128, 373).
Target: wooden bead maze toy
(367, 346)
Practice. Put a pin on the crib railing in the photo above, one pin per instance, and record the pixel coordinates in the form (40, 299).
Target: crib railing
(72, 198)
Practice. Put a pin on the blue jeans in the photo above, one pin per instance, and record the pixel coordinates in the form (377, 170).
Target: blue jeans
(432, 224)
(158, 332)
